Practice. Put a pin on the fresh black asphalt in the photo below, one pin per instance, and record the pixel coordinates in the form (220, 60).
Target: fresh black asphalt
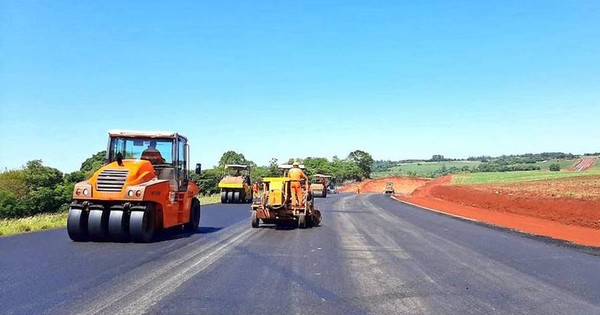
(371, 255)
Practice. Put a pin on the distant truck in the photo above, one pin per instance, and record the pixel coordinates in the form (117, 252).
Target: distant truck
(389, 188)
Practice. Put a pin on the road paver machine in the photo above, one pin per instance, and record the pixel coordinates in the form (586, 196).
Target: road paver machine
(275, 206)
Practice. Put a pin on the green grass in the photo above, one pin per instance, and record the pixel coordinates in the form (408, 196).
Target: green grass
(422, 169)
(425, 169)
(58, 220)
(207, 200)
(564, 164)
(36, 223)
(521, 176)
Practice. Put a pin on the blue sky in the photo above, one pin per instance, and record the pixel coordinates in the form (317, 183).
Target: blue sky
(398, 79)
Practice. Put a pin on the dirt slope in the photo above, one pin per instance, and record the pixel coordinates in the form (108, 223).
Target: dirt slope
(567, 208)
(402, 185)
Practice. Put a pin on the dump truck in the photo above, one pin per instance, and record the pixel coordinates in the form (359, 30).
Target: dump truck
(235, 185)
(319, 185)
(143, 187)
(275, 206)
(389, 188)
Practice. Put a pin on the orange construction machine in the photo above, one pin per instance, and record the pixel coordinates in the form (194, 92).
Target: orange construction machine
(275, 204)
(143, 187)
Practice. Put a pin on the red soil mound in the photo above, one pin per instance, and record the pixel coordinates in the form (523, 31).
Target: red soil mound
(402, 185)
(531, 207)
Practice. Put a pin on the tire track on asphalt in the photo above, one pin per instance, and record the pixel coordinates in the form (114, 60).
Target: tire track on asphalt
(503, 278)
(140, 289)
(378, 288)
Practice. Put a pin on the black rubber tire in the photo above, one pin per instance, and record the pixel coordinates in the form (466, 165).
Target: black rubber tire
(98, 225)
(236, 197)
(230, 197)
(223, 196)
(316, 219)
(118, 225)
(255, 220)
(77, 225)
(194, 222)
(302, 221)
(142, 225)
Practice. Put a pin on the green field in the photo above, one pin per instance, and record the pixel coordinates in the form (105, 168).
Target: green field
(422, 169)
(58, 220)
(521, 176)
(426, 169)
(564, 164)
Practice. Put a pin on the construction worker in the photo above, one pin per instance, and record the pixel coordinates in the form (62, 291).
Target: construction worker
(255, 190)
(296, 175)
(152, 154)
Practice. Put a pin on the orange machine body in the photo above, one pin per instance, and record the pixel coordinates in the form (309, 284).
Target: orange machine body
(141, 185)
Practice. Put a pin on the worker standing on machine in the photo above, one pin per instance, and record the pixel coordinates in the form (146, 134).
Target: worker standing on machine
(296, 175)
(255, 190)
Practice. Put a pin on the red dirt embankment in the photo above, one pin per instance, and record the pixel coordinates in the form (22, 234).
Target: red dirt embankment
(567, 209)
(402, 185)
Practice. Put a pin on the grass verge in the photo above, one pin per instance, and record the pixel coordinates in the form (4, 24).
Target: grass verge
(35, 223)
(58, 220)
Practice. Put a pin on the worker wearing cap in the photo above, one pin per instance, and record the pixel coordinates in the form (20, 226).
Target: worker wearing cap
(152, 154)
(296, 175)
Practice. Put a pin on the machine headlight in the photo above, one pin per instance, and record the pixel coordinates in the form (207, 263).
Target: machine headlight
(138, 193)
(130, 193)
(85, 192)
(78, 191)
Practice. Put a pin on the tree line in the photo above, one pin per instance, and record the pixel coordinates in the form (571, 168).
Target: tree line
(36, 188)
(355, 167)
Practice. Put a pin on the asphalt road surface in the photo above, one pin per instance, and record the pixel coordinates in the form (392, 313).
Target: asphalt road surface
(371, 255)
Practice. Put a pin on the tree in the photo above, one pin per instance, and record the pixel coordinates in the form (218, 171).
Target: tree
(232, 157)
(208, 180)
(8, 204)
(14, 182)
(363, 160)
(317, 166)
(555, 167)
(437, 158)
(38, 175)
(93, 163)
(74, 177)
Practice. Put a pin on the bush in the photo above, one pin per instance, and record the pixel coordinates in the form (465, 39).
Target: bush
(555, 167)
(8, 205)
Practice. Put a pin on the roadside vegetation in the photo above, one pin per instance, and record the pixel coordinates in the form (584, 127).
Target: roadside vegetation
(37, 197)
(34, 223)
(355, 167)
(48, 221)
(438, 165)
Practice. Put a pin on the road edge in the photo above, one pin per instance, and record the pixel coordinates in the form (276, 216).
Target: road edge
(592, 250)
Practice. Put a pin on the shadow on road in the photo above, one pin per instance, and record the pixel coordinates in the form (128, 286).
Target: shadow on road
(173, 234)
(283, 227)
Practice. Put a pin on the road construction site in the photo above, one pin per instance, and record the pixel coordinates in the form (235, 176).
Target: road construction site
(371, 254)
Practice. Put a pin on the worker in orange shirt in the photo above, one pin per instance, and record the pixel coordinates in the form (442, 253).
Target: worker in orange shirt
(296, 175)
(255, 190)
